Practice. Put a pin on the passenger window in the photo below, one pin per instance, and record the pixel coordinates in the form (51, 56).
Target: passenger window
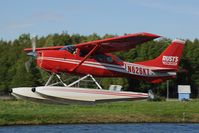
(103, 58)
(118, 59)
(109, 59)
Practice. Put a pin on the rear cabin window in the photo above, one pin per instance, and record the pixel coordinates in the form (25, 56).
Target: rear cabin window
(103, 58)
(118, 59)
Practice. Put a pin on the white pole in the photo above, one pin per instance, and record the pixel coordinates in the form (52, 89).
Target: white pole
(167, 89)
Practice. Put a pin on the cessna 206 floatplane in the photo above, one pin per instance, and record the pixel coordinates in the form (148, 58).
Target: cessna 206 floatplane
(94, 59)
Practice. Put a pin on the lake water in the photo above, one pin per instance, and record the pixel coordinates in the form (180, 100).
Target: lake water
(105, 128)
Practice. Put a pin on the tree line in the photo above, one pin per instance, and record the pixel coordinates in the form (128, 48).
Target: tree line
(13, 72)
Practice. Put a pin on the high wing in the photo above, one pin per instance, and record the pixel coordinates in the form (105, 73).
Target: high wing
(108, 45)
(120, 43)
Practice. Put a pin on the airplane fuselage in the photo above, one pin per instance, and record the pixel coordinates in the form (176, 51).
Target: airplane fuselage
(100, 65)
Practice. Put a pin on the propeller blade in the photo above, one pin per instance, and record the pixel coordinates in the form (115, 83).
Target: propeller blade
(33, 44)
(28, 64)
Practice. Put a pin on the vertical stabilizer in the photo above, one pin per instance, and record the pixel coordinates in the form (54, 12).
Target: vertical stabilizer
(169, 58)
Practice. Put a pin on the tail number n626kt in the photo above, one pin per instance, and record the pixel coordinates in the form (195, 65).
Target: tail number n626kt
(137, 70)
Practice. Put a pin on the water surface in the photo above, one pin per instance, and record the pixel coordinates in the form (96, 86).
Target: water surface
(105, 128)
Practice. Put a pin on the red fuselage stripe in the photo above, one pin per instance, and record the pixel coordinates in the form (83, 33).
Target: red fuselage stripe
(99, 92)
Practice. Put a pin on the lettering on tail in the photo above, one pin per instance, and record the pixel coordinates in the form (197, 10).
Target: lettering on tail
(170, 60)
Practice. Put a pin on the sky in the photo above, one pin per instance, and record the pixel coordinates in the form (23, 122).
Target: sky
(168, 18)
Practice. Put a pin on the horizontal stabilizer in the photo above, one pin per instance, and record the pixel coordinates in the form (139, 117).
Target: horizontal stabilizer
(164, 70)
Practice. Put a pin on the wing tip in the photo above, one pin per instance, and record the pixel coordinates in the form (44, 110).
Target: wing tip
(145, 34)
(151, 34)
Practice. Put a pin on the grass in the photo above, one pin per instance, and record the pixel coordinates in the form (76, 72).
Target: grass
(24, 112)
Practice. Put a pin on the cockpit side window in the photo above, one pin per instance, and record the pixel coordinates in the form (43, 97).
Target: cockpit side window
(70, 49)
(74, 50)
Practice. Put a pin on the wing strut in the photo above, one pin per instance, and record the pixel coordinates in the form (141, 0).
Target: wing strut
(92, 51)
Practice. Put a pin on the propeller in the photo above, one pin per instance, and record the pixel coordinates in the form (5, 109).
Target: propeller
(32, 54)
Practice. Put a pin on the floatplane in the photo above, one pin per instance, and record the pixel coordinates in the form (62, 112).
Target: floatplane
(94, 59)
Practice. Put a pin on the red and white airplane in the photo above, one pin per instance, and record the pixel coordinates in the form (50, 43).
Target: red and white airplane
(95, 59)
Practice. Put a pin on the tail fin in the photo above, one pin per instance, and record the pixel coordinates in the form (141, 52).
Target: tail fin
(169, 58)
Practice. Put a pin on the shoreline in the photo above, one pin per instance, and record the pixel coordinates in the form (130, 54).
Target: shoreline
(100, 123)
(18, 112)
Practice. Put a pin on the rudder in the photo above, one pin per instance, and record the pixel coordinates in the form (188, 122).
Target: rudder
(169, 58)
